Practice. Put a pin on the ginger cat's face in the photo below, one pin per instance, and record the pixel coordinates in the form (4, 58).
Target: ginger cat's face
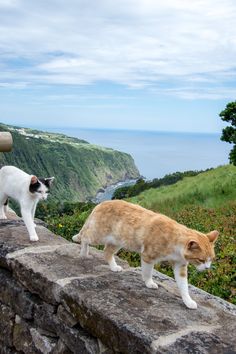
(200, 252)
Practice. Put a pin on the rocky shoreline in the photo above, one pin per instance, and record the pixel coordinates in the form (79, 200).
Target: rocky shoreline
(107, 192)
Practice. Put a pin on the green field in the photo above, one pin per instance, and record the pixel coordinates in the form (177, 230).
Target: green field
(210, 189)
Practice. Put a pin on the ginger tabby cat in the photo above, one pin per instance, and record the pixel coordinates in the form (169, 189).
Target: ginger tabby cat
(118, 224)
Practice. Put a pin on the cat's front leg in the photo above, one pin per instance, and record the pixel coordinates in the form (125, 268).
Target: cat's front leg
(181, 277)
(147, 269)
(29, 223)
(33, 212)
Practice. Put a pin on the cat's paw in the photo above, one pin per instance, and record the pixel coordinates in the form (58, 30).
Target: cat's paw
(116, 268)
(34, 238)
(151, 284)
(35, 225)
(191, 304)
(3, 217)
(76, 239)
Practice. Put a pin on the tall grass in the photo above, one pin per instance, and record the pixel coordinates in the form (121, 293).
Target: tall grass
(209, 189)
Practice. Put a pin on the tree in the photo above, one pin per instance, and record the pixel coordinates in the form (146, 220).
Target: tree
(229, 133)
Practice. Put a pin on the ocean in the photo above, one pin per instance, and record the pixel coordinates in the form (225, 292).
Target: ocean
(159, 153)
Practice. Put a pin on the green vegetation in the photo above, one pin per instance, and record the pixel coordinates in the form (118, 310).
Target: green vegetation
(229, 133)
(209, 189)
(204, 202)
(80, 169)
(142, 185)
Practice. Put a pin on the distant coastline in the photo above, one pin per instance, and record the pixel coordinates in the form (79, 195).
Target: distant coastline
(107, 192)
(159, 153)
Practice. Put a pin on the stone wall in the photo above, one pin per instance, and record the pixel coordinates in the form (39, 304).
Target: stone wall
(51, 301)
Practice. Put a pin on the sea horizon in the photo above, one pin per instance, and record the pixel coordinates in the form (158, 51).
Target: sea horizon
(157, 153)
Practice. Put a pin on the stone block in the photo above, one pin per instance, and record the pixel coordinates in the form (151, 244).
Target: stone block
(61, 348)
(7, 317)
(65, 317)
(15, 296)
(130, 318)
(28, 340)
(113, 308)
(45, 319)
(78, 340)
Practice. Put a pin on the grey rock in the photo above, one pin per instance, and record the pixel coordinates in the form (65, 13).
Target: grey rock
(61, 348)
(78, 340)
(65, 317)
(115, 308)
(15, 296)
(7, 317)
(28, 340)
(44, 318)
(7, 350)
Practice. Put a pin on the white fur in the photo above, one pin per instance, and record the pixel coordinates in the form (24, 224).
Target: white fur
(14, 183)
(203, 266)
(147, 275)
(114, 266)
(182, 283)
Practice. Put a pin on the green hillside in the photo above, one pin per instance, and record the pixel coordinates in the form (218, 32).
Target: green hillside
(209, 189)
(80, 169)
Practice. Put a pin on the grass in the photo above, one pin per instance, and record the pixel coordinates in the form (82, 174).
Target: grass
(210, 189)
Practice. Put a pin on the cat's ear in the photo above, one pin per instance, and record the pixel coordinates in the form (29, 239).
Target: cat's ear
(34, 180)
(49, 180)
(213, 235)
(192, 245)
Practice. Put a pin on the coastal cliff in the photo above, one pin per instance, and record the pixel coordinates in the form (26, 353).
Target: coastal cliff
(80, 169)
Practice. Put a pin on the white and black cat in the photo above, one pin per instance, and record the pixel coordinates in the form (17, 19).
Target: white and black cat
(27, 190)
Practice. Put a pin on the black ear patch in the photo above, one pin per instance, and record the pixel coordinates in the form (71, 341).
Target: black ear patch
(47, 181)
(34, 187)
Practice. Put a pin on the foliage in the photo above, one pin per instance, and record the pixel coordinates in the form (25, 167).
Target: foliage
(64, 219)
(142, 185)
(209, 189)
(229, 133)
(79, 168)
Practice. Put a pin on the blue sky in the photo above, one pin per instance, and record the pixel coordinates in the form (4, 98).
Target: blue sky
(125, 64)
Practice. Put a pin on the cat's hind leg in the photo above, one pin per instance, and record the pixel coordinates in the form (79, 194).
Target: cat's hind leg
(3, 199)
(147, 269)
(109, 252)
(76, 238)
(84, 251)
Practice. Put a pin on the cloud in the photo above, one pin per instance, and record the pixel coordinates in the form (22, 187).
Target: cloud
(136, 43)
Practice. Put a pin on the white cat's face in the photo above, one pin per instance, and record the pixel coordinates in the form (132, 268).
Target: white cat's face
(39, 187)
(42, 192)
